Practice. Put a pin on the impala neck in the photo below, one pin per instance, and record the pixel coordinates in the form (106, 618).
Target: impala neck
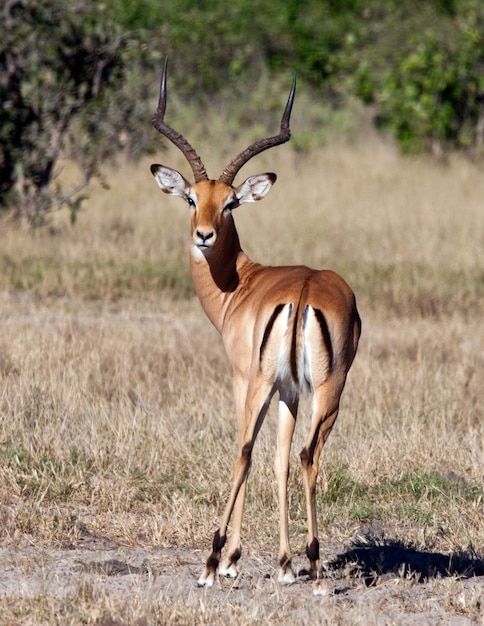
(216, 272)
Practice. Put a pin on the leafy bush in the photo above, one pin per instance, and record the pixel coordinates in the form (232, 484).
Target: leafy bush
(81, 80)
(420, 64)
(59, 68)
(434, 96)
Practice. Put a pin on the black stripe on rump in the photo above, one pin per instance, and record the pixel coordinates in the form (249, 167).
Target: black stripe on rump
(293, 356)
(323, 326)
(268, 329)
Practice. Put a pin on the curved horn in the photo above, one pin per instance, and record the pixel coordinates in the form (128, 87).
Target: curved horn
(180, 142)
(284, 135)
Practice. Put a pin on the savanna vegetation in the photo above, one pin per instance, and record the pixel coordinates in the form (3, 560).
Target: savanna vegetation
(117, 418)
(80, 80)
(117, 429)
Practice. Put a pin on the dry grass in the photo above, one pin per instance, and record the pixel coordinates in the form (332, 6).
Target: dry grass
(115, 399)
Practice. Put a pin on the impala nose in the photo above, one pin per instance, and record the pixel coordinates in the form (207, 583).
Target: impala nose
(203, 238)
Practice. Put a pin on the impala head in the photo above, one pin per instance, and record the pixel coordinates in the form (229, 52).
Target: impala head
(212, 201)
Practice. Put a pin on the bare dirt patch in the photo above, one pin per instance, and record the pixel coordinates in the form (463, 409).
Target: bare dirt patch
(370, 579)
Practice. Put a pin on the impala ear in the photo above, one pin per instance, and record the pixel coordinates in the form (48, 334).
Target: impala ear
(255, 188)
(170, 181)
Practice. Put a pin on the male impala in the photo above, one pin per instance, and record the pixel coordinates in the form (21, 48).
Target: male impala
(290, 330)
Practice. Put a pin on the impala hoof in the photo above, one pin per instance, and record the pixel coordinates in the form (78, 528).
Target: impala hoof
(228, 570)
(286, 576)
(320, 588)
(206, 579)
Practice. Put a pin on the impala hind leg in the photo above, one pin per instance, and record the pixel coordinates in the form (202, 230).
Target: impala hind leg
(321, 425)
(258, 399)
(285, 430)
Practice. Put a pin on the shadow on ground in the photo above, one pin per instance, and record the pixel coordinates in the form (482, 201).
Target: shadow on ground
(373, 556)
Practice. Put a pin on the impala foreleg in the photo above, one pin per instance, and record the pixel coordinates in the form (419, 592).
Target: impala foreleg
(321, 426)
(260, 398)
(241, 471)
(228, 566)
(285, 431)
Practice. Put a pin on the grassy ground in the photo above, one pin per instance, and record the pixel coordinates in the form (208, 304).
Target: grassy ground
(116, 415)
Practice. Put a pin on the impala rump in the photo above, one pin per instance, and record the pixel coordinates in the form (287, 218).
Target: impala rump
(291, 345)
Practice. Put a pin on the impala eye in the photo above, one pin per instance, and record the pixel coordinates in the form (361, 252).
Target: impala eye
(191, 202)
(230, 206)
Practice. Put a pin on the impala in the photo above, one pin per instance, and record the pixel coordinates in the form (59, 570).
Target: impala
(291, 330)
